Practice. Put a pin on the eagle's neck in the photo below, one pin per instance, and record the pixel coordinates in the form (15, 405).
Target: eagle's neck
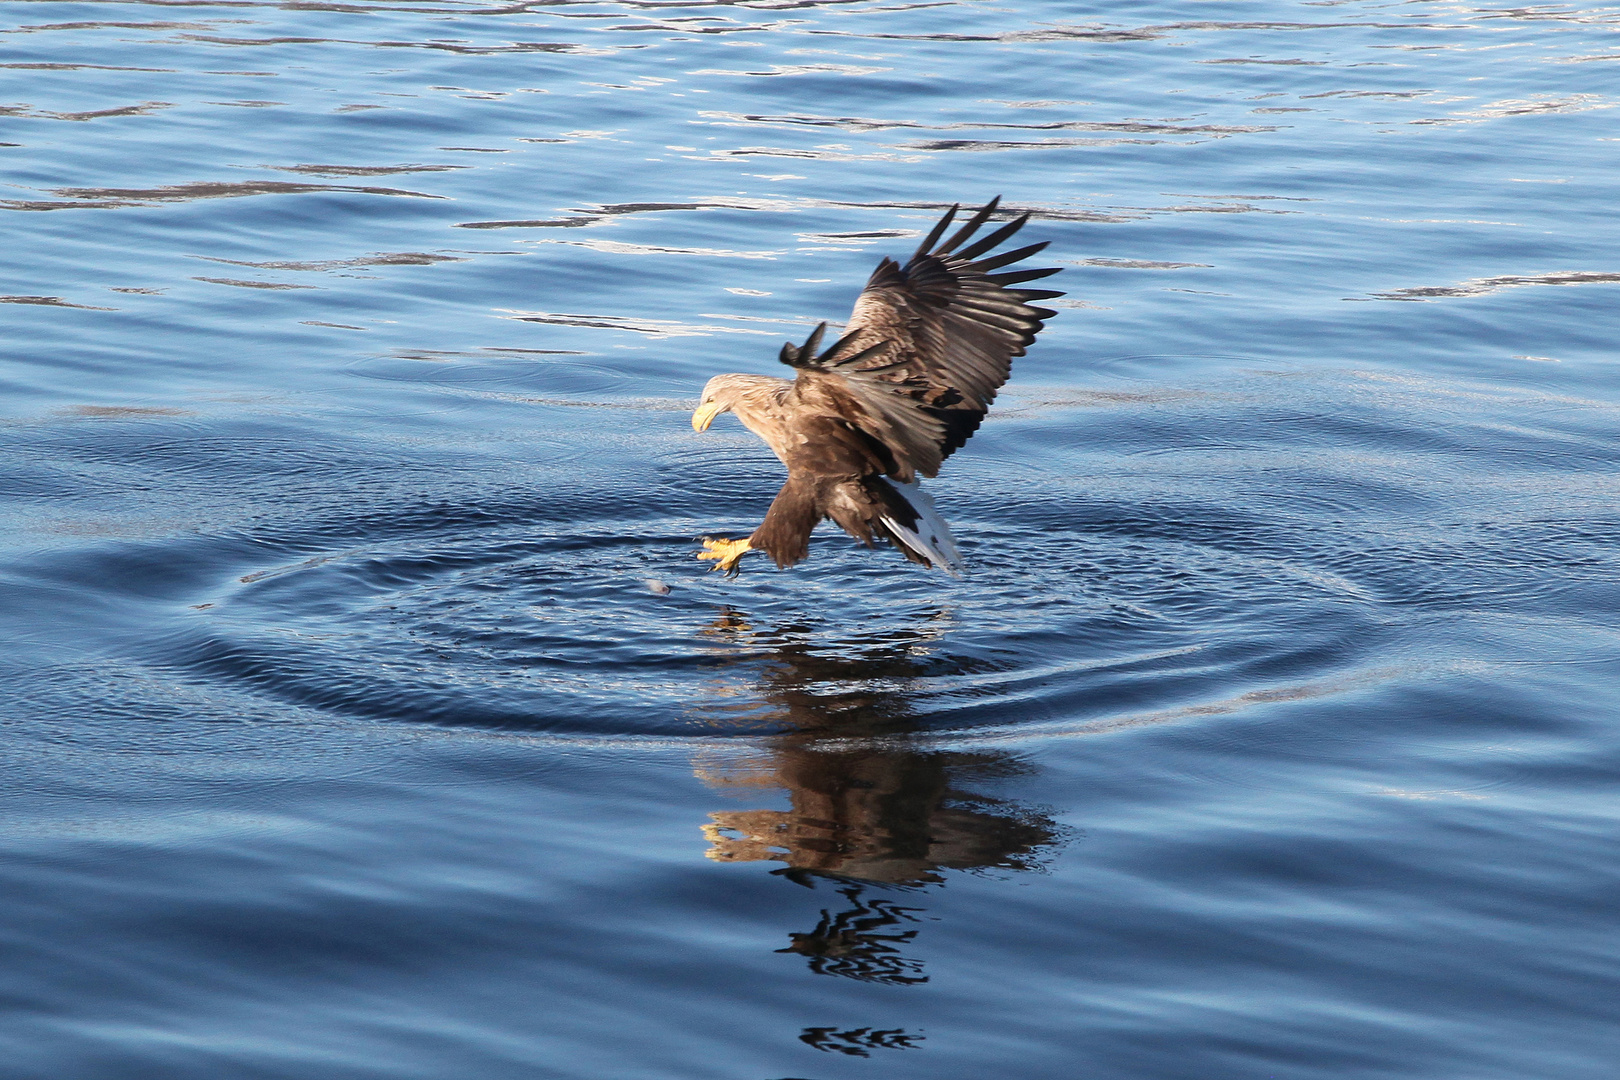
(762, 407)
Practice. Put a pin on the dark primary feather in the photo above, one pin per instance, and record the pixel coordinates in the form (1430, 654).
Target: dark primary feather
(930, 342)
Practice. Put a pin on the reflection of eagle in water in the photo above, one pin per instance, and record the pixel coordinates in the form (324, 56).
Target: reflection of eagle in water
(865, 803)
(925, 351)
(849, 943)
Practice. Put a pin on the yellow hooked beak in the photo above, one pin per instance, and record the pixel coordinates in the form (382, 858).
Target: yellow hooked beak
(705, 415)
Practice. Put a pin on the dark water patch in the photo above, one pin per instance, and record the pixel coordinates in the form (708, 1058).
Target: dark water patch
(222, 190)
(80, 67)
(811, 155)
(143, 109)
(982, 145)
(240, 284)
(111, 26)
(442, 46)
(557, 223)
(862, 125)
(399, 258)
(1282, 63)
(1486, 286)
(118, 198)
(50, 301)
(362, 170)
(656, 329)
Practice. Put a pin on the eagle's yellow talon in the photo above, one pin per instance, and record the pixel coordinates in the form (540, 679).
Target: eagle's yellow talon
(725, 553)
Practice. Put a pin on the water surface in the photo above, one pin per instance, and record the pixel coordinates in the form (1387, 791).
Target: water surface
(349, 353)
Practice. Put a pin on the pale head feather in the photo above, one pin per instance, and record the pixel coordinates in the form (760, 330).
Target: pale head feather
(755, 399)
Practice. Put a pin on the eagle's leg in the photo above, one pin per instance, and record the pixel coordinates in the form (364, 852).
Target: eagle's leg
(725, 553)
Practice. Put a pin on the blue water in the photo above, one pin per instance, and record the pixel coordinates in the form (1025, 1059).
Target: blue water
(366, 713)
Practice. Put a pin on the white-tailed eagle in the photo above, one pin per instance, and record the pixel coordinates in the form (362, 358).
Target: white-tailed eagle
(923, 355)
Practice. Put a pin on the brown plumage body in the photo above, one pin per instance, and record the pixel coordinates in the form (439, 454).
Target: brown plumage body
(927, 347)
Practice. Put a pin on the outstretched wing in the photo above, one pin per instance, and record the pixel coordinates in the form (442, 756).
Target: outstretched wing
(931, 342)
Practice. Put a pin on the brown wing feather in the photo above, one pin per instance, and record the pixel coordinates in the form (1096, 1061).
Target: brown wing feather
(931, 342)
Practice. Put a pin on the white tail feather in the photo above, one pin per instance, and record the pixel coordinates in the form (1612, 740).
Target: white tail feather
(932, 537)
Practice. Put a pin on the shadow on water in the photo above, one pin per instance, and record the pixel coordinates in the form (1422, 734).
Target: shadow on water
(867, 810)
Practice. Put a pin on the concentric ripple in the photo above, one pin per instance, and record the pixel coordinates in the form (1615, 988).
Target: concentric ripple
(1264, 539)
